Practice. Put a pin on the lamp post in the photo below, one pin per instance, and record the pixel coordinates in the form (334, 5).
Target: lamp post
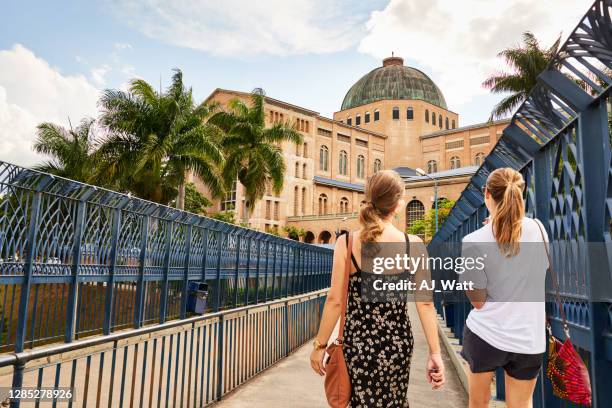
(422, 172)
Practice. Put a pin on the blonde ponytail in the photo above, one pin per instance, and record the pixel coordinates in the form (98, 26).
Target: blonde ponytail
(506, 188)
(383, 191)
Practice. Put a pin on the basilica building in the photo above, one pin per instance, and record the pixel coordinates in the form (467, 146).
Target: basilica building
(394, 117)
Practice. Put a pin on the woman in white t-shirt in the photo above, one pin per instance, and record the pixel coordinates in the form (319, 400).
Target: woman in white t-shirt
(506, 328)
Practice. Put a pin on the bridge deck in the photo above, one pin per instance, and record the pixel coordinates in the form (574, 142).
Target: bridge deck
(291, 382)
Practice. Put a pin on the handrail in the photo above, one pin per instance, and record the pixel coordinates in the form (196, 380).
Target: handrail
(46, 351)
(559, 139)
(77, 246)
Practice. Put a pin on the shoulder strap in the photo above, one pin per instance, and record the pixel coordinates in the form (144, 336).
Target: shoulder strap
(555, 281)
(407, 243)
(347, 276)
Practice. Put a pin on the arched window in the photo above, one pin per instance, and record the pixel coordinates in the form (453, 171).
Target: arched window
(395, 113)
(366, 117)
(303, 200)
(357, 120)
(446, 124)
(360, 166)
(349, 121)
(376, 115)
(453, 124)
(432, 166)
(343, 163)
(323, 158)
(377, 165)
(305, 150)
(433, 118)
(409, 114)
(297, 170)
(440, 121)
(427, 115)
(297, 149)
(344, 205)
(478, 159)
(455, 163)
(322, 204)
(295, 200)
(415, 210)
(304, 175)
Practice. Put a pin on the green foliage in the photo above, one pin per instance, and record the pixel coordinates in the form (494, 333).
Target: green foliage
(155, 138)
(293, 232)
(274, 231)
(526, 62)
(70, 151)
(225, 216)
(426, 228)
(251, 149)
(195, 201)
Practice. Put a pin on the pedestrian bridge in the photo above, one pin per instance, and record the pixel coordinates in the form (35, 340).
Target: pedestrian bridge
(94, 285)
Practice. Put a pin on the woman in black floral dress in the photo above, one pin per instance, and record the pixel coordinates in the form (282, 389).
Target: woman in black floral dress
(377, 333)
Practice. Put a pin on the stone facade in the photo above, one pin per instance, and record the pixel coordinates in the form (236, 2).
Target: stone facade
(325, 176)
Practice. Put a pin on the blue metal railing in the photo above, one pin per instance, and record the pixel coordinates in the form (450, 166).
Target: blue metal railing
(560, 140)
(78, 260)
(183, 363)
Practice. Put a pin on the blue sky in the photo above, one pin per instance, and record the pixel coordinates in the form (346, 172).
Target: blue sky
(55, 57)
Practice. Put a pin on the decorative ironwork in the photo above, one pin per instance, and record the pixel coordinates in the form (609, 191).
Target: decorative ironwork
(77, 260)
(560, 141)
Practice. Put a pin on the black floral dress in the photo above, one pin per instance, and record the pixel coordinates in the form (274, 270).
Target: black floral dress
(378, 348)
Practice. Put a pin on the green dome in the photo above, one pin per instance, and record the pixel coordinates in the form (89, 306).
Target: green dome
(393, 81)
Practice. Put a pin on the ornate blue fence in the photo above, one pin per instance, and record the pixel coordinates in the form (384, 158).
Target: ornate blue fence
(560, 140)
(78, 260)
(182, 363)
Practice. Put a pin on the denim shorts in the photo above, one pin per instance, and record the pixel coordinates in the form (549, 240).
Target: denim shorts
(483, 357)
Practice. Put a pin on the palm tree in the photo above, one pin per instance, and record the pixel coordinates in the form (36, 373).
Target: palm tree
(526, 62)
(71, 150)
(156, 138)
(253, 152)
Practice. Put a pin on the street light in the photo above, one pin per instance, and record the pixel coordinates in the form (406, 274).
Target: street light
(422, 172)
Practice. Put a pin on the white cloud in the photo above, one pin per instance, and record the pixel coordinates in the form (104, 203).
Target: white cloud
(237, 27)
(98, 74)
(122, 46)
(31, 91)
(457, 41)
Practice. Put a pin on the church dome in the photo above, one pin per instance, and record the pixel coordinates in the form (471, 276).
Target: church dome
(393, 81)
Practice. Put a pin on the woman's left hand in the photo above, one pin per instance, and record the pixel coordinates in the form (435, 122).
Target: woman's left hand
(435, 371)
(316, 361)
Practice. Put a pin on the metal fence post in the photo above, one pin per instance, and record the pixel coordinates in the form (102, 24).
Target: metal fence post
(24, 298)
(205, 254)
(237, 268)
(220, 357)
(164, 293)
(110, 292)
(592, 137)
(218, 272)
(294, 271)
(286, 328)
(73, 293)
(140, 285)
(257, 265)
(274, 271)
(247, 272)
(184, 292)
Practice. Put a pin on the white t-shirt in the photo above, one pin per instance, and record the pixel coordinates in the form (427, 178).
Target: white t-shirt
(513, 316)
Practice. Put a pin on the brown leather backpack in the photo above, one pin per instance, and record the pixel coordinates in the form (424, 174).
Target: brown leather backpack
(337, 380)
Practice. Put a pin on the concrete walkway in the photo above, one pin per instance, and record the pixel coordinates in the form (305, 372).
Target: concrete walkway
(292, 382)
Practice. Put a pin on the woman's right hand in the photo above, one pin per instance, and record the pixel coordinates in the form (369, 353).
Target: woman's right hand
(316, 361)
(435, 371)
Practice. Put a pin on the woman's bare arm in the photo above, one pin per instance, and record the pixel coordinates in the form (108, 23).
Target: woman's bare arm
(424, 298)
(333, 303)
